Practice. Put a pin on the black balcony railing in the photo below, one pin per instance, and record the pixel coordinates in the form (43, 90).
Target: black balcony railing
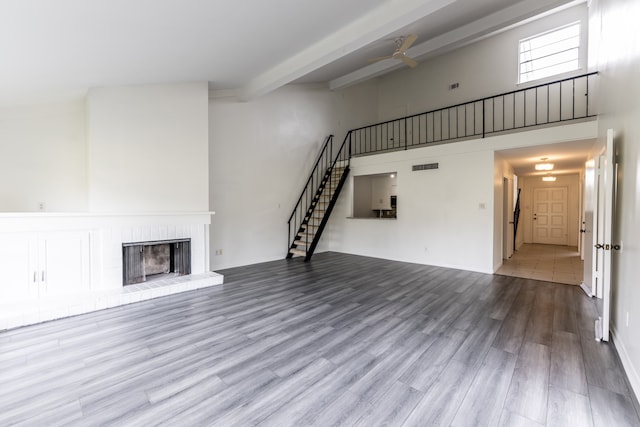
(544, 104)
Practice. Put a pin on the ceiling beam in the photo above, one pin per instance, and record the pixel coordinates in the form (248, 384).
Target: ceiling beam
(504, 19)
(385, 19)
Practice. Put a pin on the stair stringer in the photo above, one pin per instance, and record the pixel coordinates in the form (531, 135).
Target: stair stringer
(327, 214)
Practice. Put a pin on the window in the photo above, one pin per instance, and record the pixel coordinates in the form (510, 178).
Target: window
(550, 53)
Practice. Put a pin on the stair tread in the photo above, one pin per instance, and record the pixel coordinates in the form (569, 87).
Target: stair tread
(318, 208)
(298, 252)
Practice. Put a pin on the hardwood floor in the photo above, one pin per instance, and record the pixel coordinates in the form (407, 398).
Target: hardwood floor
(343, 340)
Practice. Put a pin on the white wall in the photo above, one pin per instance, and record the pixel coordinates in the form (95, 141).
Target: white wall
(440, 221)
(148, 148)
(362, 197)
(618, 59)
(484, 68)
(357, 106)
(261, 155)
(572, 182)
(43, 158)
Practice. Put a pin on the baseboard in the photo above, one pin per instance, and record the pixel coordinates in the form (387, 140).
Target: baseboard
(630, 370)
(586, 290)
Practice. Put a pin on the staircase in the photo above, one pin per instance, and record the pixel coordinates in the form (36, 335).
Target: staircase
(317, 200)
(545, 104)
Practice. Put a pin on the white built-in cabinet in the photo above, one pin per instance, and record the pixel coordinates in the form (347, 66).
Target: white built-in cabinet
(40, 264)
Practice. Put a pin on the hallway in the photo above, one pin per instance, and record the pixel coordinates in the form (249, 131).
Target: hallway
(550, 263)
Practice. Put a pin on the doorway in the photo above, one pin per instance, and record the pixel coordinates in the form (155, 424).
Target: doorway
(550, 220)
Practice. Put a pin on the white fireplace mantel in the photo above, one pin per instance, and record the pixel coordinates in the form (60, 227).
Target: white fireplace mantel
(48, 255)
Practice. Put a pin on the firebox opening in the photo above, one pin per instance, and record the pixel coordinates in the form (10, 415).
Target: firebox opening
(145, 261)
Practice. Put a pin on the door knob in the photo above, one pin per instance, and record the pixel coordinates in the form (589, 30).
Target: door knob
(599, 246)
(583, 231)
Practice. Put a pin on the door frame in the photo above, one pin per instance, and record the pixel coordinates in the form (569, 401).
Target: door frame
(589, 223)
(606, 244)
(506, 254)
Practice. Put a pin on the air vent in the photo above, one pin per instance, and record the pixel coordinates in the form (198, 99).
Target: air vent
(424, 167)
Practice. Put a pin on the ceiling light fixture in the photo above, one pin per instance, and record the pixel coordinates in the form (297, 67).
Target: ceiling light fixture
(549, 178)
(544, 166)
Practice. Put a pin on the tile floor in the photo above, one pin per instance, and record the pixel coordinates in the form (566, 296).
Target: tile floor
(550, 263)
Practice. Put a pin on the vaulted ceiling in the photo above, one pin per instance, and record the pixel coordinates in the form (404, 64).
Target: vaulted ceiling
(51, 49)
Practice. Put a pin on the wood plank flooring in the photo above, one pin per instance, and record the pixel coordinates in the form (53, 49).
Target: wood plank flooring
(343, 340)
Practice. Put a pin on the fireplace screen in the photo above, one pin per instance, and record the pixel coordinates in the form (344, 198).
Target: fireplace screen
(143, 261)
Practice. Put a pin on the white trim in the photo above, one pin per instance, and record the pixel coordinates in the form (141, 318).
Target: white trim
(627, 364)
(586, 289)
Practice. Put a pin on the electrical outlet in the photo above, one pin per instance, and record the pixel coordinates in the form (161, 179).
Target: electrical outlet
(41, 206)
(218, 251)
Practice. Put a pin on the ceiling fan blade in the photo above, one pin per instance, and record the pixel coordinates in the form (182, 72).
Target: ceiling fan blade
(409, 61)
(406, 44)
(380, 58)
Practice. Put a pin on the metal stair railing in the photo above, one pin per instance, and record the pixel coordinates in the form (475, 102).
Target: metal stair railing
(320, 193)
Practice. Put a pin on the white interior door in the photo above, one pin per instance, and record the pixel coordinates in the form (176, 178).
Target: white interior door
(588, 223)
(550, 215)
(605, 244)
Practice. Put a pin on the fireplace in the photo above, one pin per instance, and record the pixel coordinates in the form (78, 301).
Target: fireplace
(145, 261)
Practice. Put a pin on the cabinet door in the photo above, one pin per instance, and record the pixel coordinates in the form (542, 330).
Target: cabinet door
(63, 262)
(16, 263)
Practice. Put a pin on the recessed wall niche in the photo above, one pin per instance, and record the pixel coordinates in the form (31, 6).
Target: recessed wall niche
(375, 196)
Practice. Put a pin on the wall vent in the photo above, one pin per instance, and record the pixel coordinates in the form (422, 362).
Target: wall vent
(424, 167)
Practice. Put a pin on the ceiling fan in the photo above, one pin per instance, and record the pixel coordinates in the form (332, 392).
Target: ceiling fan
(402, 44)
